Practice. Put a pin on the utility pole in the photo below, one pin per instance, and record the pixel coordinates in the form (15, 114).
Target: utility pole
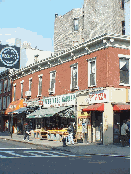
(12, 121)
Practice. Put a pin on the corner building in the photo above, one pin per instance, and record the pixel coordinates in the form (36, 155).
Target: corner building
(99, 65)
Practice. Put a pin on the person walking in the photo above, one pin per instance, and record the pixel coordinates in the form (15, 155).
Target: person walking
(70, 137)
(27, 131)
(128, 133)
(124, 128)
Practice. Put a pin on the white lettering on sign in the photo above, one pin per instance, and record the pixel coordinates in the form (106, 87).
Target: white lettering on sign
(98, 97)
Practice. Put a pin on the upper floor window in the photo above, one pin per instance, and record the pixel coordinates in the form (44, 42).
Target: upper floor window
(0, 103)
(4, 102)
(76, 25)
(123, 27)
(14, 85)
(52, 82)
(9, 85)
(122, 4)
(124, 70)
(30, 83)
(5, 85)
(92, 72)
(40, 85)
(8, 100)
(22, 85)
(1, 87)
(74, 76)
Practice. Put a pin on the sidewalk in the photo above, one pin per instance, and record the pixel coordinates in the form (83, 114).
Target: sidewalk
(79, 148)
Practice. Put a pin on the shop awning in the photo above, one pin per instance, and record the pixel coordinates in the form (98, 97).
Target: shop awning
(14, 105)
(48, 112)
(21, 110)
(95, 107)
(119, 107)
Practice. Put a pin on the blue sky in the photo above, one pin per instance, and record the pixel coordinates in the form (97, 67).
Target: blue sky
(32, 20)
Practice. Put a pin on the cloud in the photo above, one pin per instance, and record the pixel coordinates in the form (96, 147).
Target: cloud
(45, 44)
(11, 41)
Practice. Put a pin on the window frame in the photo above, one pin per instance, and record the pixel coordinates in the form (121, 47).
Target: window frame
(74, 26)
(71, 85)
(50, 90)
(22, 89)
(14, 97)
(39, 91)
(89, 69)
(4, 102)
(30, 83)
(127, 57)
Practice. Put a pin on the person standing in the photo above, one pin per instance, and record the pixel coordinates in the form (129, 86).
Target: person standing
(70, 137)
(128, 133)
(124, 128)
(27, 131)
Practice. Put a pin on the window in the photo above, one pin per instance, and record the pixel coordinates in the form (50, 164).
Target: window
(30, 84)
(0, 103)
(75, 24)
(4, 102)
(40, 85)
(52, 82)
(124, 70)
(122, 4)
(74, 76)
(5, 85)
(9, 85)
(8, 100)
(0, 87)
(22, 88)
(123, 27)
(14, 91)
(92, 72)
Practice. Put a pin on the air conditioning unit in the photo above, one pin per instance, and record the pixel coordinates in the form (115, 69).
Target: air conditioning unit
(28, 93)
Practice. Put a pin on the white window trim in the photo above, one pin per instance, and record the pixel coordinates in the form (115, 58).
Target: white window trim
(75, 64)
(125, 57)
(39, 76)
(30, 80)
(89, 61)
(14, 92)
(50, 82)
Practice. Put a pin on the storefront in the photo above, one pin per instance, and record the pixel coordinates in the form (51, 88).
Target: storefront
(12, 116)
(107, 114)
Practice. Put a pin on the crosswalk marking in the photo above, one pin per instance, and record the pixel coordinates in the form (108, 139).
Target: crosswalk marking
(38, 153)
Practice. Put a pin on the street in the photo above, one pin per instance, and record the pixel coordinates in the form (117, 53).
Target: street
(16, 157)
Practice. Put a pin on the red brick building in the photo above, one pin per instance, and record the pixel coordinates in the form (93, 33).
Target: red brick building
(99, 62)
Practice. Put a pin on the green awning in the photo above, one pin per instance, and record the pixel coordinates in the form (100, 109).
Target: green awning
(47, 112)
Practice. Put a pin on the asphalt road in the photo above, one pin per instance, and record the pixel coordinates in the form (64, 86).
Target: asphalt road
(23, 158)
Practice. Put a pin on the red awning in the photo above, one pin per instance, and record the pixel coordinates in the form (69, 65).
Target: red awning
(95, 107)
(119, 107)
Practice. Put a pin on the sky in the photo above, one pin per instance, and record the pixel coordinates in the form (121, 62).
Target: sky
(32, 20)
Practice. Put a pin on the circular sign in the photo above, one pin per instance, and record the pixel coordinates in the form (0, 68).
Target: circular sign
(9, 56)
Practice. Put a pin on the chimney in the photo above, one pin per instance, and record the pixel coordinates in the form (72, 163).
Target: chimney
(56, 15)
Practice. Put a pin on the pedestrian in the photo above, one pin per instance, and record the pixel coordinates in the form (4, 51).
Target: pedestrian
(124, 128)
(70, 136)
(128, 132)
(27, 131)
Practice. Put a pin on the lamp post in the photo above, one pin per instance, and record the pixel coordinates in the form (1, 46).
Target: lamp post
(12, 122)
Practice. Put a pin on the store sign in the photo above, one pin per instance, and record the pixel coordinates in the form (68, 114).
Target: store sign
(98, 97)
(9, 56)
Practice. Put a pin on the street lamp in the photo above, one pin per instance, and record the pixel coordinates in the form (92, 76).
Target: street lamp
(12, 122)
